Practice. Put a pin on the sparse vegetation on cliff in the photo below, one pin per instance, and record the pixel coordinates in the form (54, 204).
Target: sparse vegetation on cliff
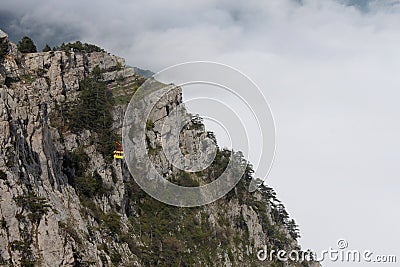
(36, 206)
(93, 112)
(3, 49)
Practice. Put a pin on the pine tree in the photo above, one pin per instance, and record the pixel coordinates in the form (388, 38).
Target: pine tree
(293, 229)
(26, 45)
(47, 48)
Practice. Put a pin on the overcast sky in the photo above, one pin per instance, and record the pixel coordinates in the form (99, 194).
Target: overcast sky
(329, 69)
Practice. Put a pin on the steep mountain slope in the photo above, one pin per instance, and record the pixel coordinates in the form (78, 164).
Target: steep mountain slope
(66, 202)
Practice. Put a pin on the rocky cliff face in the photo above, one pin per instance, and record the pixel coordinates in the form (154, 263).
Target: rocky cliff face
(65, 203)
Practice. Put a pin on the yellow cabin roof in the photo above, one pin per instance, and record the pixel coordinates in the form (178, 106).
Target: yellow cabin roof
(118, 154)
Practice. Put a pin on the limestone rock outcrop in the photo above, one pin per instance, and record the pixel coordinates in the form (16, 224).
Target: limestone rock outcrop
(46, 219)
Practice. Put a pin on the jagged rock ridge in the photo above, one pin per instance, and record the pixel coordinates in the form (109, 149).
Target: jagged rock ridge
(63, 203)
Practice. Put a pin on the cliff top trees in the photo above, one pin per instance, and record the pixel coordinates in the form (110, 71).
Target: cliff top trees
(26, 45)
(78, 47)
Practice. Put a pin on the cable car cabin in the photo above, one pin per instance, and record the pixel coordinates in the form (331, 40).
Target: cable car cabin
(118, 154)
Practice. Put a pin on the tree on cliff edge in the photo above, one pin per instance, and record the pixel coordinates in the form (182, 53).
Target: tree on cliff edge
(26, 45)
(46, 48)
(3, 49)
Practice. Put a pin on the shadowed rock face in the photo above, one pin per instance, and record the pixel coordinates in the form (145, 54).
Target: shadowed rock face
(63, 204)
